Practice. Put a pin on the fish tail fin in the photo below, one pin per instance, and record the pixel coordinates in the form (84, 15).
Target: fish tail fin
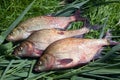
(113, 42)
(88, 25)
(78, 16)
(86, 21)
(108, 36)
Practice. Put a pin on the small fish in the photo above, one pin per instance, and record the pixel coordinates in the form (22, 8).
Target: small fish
(36, 43)
(70, 52)
(23, 30)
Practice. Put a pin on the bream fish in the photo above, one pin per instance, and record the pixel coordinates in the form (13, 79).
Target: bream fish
(24, 29)
(70, 52)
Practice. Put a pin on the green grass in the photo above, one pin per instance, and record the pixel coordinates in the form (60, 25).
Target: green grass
(99, 12)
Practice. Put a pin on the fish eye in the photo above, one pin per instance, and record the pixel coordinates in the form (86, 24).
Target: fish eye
(18, 29)
(40, 63)
(11, 33)
(20, 48)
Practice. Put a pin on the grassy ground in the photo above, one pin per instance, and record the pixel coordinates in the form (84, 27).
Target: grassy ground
(99, 12)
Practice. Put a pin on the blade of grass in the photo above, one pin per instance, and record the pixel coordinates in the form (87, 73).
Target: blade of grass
(12, 26)
(40, 76)
(106, 66)
(22, 74)
(4, 63)
(102, 3)
(98, 76)
(80, 78)
(7, 62)
(114, 36)
(31, 68)
(98, 64)
(70, 8)
(78, 71)
(105, 71)
(103, 29)
(3, 75)
(13, 78)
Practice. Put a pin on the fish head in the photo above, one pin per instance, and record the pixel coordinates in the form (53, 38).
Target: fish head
(45, 63)
(25, 49)
(14, 35)
(41, 65)
(17, 34)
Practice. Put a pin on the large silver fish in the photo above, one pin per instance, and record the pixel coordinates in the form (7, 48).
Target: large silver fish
(70, 52)
(23, 30)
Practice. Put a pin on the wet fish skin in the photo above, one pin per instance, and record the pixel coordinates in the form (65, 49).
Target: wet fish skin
(69, 52)
(40, 40)
(23, 30)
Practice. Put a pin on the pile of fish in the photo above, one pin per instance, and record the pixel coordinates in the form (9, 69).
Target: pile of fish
(46, 37)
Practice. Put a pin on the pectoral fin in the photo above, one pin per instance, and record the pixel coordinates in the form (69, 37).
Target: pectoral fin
(37, 52)
(65, 61)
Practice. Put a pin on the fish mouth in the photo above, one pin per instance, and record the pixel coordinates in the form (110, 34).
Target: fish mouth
(36, 69)
(39, 68)
(10, 38)
(16, 52)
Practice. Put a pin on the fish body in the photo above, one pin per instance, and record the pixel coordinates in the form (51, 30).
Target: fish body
(69, 52)
(36, 43)
(23, 30)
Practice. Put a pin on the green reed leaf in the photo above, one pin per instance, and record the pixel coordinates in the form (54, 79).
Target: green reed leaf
(3, 75)
(70, 8)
